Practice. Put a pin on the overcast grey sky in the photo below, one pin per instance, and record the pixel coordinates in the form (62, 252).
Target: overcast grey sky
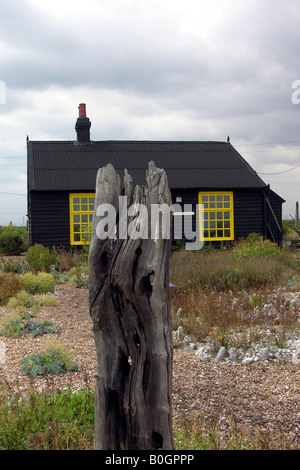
(151, 69)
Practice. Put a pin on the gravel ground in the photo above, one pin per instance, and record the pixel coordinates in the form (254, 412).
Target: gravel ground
(264, 396)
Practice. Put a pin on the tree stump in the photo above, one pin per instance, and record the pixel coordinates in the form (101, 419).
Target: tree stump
(130, 309)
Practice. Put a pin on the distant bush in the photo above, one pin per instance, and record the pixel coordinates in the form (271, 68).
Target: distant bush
(11, 243)
(41, 258)
(256, 247)
(55, 360)
(39, 284)
(10, 285)
(13, 239)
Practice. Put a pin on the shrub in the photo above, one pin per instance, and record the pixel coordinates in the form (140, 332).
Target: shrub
(12, 326)
(39, 284)
(16, 325)
(22, 299)
(220, 270)
(10, 285)
(59, 277)
(79, 277)
(68, 259)
(55, 360)
(254, 247)
(40, 258)
(14, 266)
(13, 239)
(46, 300)
(46, 420)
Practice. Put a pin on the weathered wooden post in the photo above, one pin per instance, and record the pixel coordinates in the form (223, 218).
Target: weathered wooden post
(130, 309)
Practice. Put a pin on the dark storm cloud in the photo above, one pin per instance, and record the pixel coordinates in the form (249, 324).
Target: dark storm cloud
(198, 70)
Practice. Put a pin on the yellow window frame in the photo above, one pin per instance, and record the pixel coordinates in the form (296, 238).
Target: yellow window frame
(218, 215)
(81, 217)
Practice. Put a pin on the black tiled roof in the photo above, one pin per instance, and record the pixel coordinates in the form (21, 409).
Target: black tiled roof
(69, 166)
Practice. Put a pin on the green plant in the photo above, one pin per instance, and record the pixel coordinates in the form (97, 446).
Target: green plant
(17, 325)
(39, 283)
(22, 299)
(256, 247)
(14, 266)
(46, 420)
(12, 240)
(79, 276)
(12, 326)
(41, 258)
(59, 277)
(55, 360)
(10, 285)
(25, 300)
(46, 300)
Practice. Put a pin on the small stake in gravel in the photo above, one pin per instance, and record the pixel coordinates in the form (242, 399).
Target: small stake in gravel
(130, 308)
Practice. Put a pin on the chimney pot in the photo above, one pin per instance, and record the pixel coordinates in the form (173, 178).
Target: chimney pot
(82, 110)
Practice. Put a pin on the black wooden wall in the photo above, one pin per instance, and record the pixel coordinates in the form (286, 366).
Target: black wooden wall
(49, 218)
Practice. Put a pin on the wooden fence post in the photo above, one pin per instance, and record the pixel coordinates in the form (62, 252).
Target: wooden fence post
(130, 309)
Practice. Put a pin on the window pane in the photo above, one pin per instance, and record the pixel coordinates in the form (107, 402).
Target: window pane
(76, 200)
(219, 205)
(226, 224)
(226, 215)
(220, 233)
(212, 198)
(91, 218)
(76, 219)
(76, 237)
(212, 205)
(226, 198)
(205, 233)
(212, 233)
(227, 233)
(92, 200)
(226, 205)
(205, 205)
(219, 224)
(219, 215)
(204, 198)
(212, 215)
(205, 215)
(76, 228)
(76, 207)
(84, 208)
(91, 207)
(219, 198)
(84, 200)
(84, 219)
(212, 224)
(205, 224)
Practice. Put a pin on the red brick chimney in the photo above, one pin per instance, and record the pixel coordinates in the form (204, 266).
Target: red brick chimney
(82, 110)
(83, 125)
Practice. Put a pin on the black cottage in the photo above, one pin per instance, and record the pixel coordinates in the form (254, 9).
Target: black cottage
(62, 178)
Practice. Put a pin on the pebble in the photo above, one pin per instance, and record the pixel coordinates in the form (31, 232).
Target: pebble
(221, 354)
(257, 353)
